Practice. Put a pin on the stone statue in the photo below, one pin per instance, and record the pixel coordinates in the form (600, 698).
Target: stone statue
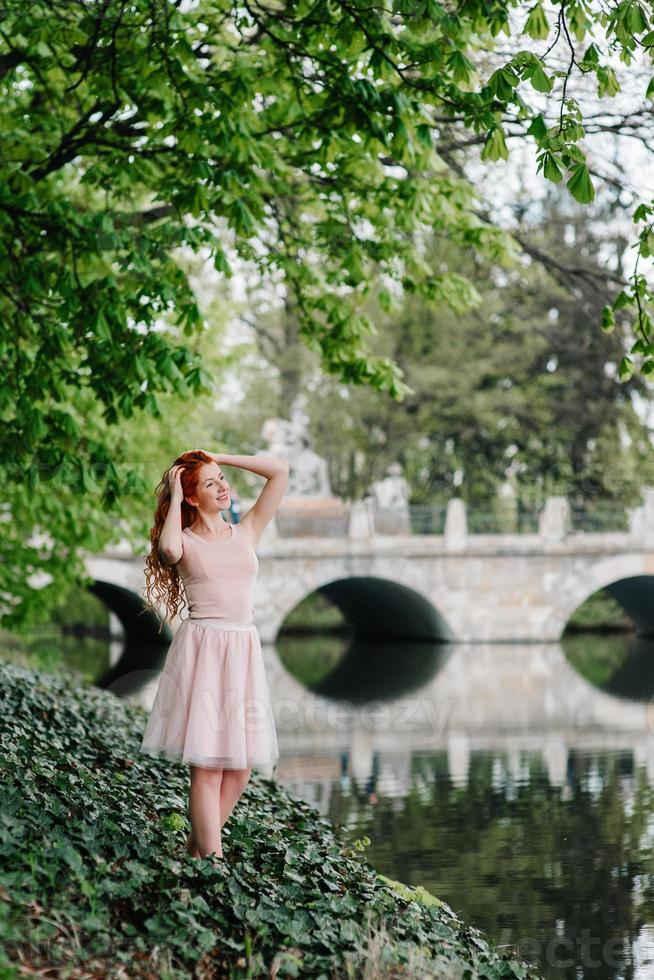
(392, 493)
(279, 436)
(390, 502)
(309, 475)
(309, 507)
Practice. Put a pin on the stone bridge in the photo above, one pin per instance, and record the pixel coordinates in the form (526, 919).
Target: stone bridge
(453, 586)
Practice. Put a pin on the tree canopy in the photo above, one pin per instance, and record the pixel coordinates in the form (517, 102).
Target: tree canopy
(522, 390)
(307, 136)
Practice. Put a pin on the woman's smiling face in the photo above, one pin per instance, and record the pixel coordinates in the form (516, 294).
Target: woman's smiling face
(212, 491)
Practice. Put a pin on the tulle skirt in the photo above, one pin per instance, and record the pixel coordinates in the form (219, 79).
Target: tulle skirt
(212, 707)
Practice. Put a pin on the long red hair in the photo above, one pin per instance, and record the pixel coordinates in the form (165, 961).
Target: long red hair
(163, 582)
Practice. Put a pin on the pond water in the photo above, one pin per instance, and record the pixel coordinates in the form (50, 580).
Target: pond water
(514, 781)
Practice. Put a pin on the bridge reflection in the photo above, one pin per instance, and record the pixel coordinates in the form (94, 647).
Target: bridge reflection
(140, 646)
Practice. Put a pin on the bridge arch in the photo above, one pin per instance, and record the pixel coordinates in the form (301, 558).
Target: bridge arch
(622, 576)
(378, 607)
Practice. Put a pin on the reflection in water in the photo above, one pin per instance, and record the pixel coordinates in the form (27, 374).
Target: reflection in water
(105, 657)
(624, 666)
(362, 670)
(51, 648)
(126, 674)
(524, 860)
(507, 784)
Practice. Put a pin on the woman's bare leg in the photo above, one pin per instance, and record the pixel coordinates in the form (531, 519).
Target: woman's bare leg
(233, 783)
(204, 811)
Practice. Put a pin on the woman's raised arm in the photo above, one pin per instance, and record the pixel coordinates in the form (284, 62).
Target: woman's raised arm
(170, 545)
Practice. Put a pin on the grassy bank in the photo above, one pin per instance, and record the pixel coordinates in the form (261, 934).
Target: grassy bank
(95, 882)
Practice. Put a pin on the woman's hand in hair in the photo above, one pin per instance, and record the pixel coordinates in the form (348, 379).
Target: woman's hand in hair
(215, 456)
(175, 483)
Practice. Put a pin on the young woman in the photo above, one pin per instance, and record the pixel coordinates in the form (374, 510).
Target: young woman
(212, 708)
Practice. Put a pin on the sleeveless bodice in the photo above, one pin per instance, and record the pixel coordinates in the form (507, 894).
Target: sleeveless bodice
(219, 576)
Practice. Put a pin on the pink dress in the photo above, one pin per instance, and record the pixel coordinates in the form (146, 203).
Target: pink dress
(212, 707)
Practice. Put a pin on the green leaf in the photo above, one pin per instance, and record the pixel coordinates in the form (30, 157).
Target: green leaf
(580, 184)
(423, 132)
(173, 821)
(243, 219)
(495, 147)
(539, 79)
(88, 480)
(590, 57)
(502, 82)
(637, 18)
(538, 127)
(642, 212)
(537, 25)
(221, 264)
(622, 299)
(550, 167)
(608, 319)
(168, 367)
(625, 369)
(100, 326)
(607, 82)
